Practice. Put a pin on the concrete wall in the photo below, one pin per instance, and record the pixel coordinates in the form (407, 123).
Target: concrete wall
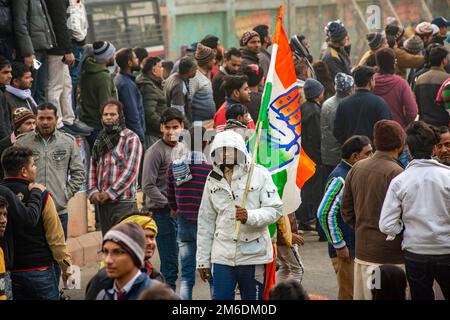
(187, 21)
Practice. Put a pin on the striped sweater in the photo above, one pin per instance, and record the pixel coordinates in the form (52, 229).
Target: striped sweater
(185, 183)
(337, 232)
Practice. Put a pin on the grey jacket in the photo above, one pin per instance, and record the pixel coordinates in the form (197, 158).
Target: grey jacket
(330, 147)
(33, 27)
(58, 163)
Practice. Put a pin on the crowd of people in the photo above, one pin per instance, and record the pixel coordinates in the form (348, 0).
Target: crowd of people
(378, 133)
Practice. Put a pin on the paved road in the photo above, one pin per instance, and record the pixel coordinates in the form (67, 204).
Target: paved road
(319, 276)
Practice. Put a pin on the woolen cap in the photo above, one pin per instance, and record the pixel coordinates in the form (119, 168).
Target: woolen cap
(203, 54)
(343, 82)
(394, 30)
(388, 135)
(247, 36)
(20, 115)
(414, 44)
(441, 22)
(131, 237)
(375, 40)
(312, 89)
(336, 31)
(103, 51)
(424, 28)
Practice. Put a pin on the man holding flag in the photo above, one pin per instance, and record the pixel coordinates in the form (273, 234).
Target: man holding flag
(276, 147)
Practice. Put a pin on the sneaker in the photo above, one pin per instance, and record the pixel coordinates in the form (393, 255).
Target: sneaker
(306, 227)
(68, 130)
(78, 129)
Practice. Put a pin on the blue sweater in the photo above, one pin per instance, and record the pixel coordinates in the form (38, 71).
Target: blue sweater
(133, 106)
(338, 233)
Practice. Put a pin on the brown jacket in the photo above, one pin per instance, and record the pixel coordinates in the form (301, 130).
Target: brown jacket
(407, 60)
(365, 189)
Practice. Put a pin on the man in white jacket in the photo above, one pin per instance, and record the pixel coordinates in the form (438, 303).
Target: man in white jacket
(418, 202)
(242, 262)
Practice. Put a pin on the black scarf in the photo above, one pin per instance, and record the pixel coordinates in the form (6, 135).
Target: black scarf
(107, 139)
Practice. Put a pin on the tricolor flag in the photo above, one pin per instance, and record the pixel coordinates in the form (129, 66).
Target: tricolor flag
(279, 120)
(278, 135)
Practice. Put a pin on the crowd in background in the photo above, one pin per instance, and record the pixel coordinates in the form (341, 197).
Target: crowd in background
(377, 131)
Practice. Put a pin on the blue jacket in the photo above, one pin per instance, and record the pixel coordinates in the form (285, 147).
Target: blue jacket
(133, 106)
(338, 233)
(142, 282)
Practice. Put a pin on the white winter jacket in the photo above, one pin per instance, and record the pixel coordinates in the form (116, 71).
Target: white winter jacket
(419, 200)
(217, 214)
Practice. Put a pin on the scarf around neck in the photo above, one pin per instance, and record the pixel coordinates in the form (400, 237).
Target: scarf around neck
(107, 139)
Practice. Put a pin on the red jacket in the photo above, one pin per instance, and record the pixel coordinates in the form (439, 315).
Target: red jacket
(220, 119)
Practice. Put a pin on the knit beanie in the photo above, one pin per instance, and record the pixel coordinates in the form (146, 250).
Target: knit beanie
(254, 73)
(203, 54)
(395, 31)
(336, 31)
(131, 238)
(388, 135)
(210, 41)
(103, 51)
(20, 115)
(312, 89)
(247, 36)
(414, 44)
(343, 82)
(375, 40)
(423, 28)
(144, 221)
(386, 60)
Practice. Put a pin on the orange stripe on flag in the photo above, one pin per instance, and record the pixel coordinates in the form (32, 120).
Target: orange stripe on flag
(285, 61)
(305, 170)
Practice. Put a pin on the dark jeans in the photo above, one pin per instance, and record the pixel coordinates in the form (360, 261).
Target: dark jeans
(39, 85)
(74, 74)
(422, 270)
(112, 213)
(167, 245)
(35, 285)
(249, 278)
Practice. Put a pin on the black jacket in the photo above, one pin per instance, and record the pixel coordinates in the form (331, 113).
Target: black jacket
(5, 118)
(311, 130)
(337, 61)
(18, 213)
(6, 30)
(426, 89)
(357, 114)
(31, 249)
(4, 144)
(248, 57)
(33, 29)
(57, 10)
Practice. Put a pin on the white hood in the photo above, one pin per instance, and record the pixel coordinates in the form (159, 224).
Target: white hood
(229, 139)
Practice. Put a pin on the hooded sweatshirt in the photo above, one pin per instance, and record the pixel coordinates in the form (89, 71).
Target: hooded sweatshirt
(96, 87)
(418, 200)
(217, 214)
(398, 95)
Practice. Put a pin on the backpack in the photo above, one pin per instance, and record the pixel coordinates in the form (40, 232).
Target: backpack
(77, 21)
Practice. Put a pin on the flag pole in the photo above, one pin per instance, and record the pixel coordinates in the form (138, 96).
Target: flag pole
(249, 178)
(258, 138)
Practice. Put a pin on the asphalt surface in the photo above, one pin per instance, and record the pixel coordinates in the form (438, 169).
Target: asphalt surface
(319, 277)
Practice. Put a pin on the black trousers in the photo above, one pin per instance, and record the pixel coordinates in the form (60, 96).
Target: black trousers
(422, 270)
